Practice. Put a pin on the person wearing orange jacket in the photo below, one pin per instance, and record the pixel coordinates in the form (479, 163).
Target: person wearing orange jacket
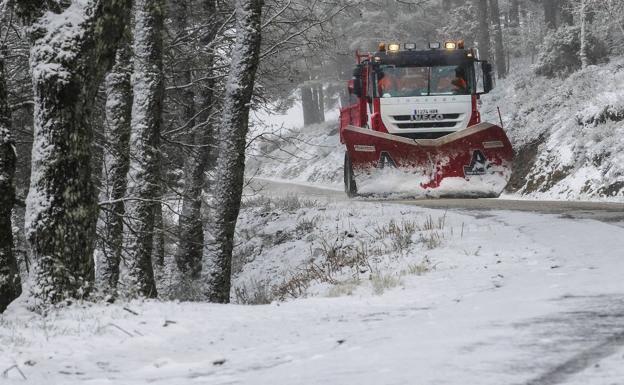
(387, 84)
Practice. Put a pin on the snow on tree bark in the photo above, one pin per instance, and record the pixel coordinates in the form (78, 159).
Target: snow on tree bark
(143, 178)
(116, 164)
(10, 283)
(72, 48)
(190, 248)
(232, 140)
(583, 51)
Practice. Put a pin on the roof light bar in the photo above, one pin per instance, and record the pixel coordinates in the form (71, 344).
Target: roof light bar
(410, 46)
(434, 45)
(394, 47)
(450, 45)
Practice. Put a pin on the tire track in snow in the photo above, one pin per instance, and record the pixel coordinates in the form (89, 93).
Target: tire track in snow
(602, 328)
(580, 361)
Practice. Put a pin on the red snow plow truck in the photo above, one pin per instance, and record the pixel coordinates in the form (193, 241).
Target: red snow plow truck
(413, 125)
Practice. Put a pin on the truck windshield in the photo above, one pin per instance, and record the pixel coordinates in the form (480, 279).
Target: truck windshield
(393, 81)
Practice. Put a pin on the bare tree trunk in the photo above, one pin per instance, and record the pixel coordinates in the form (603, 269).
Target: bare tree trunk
(309, 106)
(514, 13)
(68, 65)
(321, 103)
(565, 12)
(232, 139)
(501, 65)
(583, 53)
(550, 13)
(143, 178)
(10, 283)
(116, 164)
(190, 248)
(483, 38)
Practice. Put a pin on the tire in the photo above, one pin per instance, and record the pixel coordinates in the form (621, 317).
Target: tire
(349, 180)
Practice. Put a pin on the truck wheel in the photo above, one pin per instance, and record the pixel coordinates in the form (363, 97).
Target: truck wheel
(349, 179)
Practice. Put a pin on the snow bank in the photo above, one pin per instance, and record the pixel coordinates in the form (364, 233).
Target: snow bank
(567, 133)
(310, 154)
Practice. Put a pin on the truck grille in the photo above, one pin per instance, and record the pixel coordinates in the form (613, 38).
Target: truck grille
(427, 125)
(424, 135)
(407, 118)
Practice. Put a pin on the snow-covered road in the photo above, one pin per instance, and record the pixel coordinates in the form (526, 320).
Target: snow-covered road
(602, 211)
(518, 298)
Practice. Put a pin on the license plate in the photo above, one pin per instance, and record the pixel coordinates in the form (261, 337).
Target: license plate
(426, 112)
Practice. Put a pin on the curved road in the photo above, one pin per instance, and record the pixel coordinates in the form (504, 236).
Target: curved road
(568, 346)
(601, 211)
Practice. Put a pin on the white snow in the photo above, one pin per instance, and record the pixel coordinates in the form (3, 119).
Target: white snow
(405, 183)
(504, 299)
(579, 120)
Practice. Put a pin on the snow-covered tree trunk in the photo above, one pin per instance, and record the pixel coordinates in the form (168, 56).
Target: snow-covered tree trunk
(116, 164)
(72, 48)
(144, 176)
(10, 283)
(583, 51)
(232, 141)
(188, 254)
(483, 32)
(501, 64)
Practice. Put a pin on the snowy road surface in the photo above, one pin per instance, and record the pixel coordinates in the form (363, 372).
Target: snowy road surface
(516, 298)
(602, 211)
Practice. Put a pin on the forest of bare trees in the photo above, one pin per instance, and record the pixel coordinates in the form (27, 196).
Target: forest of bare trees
(124, 124)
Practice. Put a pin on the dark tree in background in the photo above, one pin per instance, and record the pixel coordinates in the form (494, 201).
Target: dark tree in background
(499, 49)
(68, 63)
(10, 283)
(143, 191)
(550, 13)
(483, 32)
(514, 13)
(566, 13)
(232, 141)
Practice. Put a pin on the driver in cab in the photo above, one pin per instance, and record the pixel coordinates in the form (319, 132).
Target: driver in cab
(450, 81)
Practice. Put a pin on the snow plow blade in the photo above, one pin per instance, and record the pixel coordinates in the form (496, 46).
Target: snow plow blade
(474, 162)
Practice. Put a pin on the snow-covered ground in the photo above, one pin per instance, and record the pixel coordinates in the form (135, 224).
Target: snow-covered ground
(291, 152)
(421, 296)
(566, 132)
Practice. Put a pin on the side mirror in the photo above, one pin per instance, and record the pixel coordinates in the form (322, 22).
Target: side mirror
(484, 77)
(488, 77)
(357, 81)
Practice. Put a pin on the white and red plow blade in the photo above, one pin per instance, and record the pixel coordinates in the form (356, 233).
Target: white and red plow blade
(472, 162)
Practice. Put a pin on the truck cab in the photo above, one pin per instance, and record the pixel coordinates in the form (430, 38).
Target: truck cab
(417, 94)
